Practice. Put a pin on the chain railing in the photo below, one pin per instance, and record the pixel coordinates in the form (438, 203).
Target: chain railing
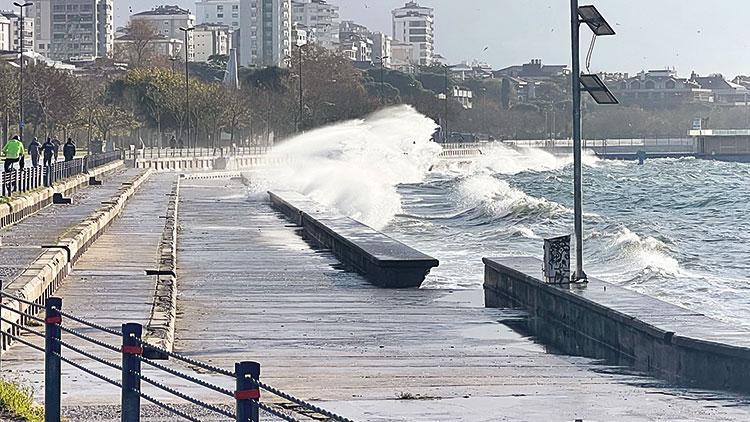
(30, 178)
(133, 352)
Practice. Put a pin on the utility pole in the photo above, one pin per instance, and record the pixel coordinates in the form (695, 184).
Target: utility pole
(21, 30)
(301, 104)
(445, 104)
(187, 89)
(575, 27)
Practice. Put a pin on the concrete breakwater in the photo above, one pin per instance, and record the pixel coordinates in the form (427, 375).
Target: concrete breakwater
(602, 320)
(47, 271)
(382, 260)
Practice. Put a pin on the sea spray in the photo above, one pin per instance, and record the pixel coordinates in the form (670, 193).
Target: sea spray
(355, 166)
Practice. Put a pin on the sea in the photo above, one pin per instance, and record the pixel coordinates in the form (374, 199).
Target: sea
(675, 229)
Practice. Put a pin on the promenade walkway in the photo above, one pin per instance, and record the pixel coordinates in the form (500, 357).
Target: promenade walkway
(252, 289)
(22, 242)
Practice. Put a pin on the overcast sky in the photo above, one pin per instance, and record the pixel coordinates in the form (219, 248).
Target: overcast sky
(708, 36)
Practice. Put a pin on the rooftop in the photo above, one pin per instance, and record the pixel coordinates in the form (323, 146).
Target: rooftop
(164, 11)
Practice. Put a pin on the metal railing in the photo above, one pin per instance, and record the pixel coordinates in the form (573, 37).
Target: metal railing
(156, 152)
(133, 353)
(27, 179)
(601, 145)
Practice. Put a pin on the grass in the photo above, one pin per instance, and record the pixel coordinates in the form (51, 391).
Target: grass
(19, 402)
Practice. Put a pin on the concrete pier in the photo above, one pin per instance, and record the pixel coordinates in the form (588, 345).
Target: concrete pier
(603, 320)
(384, 261)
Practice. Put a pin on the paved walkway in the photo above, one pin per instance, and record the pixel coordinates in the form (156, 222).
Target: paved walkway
(252, 289)
(21, 242)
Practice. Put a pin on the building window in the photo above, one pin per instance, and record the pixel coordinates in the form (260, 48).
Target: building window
(635, 85)
(623, 85)
(650, 85)
(670, 85)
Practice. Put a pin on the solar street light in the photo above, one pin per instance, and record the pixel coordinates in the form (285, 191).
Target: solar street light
(597, 89)
(591, 17)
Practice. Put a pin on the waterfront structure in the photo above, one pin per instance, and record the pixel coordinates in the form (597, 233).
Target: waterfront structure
(266, 34)
(657, 88)
(221, 12)
(211, 40)
(381, 49)
(13, 29)
(74, 30)
(534, 70)
(414, 24)
(167, 21)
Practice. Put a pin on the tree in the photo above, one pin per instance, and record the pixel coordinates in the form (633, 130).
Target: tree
(109, 119)
(138, 48)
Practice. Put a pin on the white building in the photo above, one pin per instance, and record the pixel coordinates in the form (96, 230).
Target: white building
(160, 46)
(300, 34)
(381, 49)
(221, 12)
(4, 33)
(414, 24)
(401, 57)
(266, 32)
(74, 29)
(41, 12)
(167, 21)
(14, 31)
(321, 20)
(211, 40)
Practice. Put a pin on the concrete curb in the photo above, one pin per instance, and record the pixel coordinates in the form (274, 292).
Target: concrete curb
(212, 175)
(31, 202)
(160, 329)
(48, 271)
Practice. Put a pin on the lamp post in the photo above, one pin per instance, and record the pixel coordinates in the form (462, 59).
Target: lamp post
(21, 30)
(187, 87)
(594, 86)
(301, 92)
(382, 75)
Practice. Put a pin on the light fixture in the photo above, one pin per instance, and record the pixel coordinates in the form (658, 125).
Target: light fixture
(591, 17)
(593, 84)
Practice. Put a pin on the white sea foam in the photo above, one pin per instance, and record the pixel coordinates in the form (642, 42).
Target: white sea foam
(355, 166)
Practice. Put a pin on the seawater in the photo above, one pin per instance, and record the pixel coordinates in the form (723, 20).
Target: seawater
(676, 229)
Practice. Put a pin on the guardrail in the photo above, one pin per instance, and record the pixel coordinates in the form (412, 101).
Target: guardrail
(134, 352)
(24, 180)
(154, 152)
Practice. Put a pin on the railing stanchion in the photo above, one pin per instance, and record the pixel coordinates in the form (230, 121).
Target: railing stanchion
(52, 365)
(131, 371)
(248, 391)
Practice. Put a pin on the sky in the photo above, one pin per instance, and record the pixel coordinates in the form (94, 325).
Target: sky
(706, 36)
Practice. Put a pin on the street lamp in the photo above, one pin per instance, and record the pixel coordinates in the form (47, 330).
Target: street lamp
(187, 88)
(22, 28)
(599, 26)
(382, 77)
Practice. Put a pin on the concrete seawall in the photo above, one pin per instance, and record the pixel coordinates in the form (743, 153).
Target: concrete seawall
(602, 320)
(382, 260)
(46, 273)
(27, 204)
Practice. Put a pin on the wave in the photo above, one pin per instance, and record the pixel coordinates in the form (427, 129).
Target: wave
(634, 259)
(355, 166)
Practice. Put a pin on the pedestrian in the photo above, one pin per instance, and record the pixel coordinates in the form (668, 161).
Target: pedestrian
(56, 143)
(13, 151)
(69, 150)
(34, 149)
(172, 142)
(48, 150)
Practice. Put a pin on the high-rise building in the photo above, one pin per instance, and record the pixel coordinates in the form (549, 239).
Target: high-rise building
(221, 12)
(211, 40)
(266, 32)
(167, 21)
(381, 49)
(414, 24)
(14, 31)
(321, 20)
(74, 29)
(4, 33)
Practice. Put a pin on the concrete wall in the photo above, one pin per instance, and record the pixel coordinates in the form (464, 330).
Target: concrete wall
(204, 163)
(563, 318)
(28, 203)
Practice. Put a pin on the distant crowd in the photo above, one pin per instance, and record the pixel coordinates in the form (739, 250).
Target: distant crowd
(14, 152)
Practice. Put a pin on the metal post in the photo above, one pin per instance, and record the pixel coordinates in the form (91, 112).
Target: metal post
(577, 166)
(131, 371)
(52, 320)
(445, 105)
(247, 391)
(301, 106)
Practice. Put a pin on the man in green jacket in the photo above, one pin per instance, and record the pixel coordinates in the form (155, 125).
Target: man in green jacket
(13, 152)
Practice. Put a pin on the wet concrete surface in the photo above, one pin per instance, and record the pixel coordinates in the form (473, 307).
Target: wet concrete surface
(252, 289)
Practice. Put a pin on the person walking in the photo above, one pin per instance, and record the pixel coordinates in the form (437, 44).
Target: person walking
(48, 151)
(13, 152)
(69, 150)
(34, 149)
(56, 143)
